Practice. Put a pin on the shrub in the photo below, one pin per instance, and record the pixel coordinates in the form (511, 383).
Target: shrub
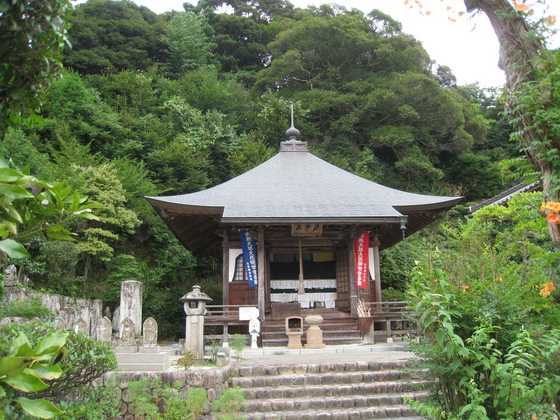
(92, 403)
(480, 372)
(28, 308)
(154, 400)
(87, 359)
(187, 360)
(238, 343)
(229, 403)
(26, 369)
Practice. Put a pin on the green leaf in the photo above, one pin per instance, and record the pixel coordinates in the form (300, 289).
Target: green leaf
(15, 192)
(49, 372)
(440, 336)
(8, 174)
(21, 347)
(75, 202)
(38, 408)
(12, 365)
(60, 236)
(51, 343)
(26, 382)
(13, 249)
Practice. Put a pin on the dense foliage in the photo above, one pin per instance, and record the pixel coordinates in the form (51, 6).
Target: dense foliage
(486, 299)
(67, 373)
(139, 113)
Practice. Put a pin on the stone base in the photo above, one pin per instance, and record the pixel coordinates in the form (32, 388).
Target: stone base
(149, 349)
(315, 346)
(143, 361)
(294, 340)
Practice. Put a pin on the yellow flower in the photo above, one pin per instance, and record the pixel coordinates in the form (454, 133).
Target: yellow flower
(465, 288)
(498, 279)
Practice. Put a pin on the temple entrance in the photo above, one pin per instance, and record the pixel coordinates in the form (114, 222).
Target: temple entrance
(308, 278)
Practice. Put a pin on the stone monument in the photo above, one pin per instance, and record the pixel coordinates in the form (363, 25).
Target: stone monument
(150, 332)
(131, 305)
(105, 330)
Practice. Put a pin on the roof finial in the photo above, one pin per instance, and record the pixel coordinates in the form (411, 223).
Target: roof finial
(292, 133)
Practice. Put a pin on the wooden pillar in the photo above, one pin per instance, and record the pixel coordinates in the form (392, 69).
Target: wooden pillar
(225, 281)
(261, 286)
(225, 269)
(376, 268)
(352, 277)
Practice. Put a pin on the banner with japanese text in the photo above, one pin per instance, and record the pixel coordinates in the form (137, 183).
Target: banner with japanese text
(249, 247)
(361, 246)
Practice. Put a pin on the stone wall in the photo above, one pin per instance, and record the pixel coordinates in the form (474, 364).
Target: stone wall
(214, 380)
(70, 312)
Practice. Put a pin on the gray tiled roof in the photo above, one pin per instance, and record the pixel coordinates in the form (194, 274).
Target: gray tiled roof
(298, 186)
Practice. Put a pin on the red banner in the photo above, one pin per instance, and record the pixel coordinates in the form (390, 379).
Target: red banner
(361, 247)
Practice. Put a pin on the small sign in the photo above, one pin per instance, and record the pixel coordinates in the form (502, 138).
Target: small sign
(248, 313)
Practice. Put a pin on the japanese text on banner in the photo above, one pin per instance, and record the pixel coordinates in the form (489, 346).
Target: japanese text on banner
(249, 247)
(362, 254)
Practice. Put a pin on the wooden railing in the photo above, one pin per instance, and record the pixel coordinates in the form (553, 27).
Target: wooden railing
(224, 311)
(223, 316)
(394, 316)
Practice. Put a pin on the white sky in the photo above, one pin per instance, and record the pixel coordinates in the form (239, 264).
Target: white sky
(469, 46)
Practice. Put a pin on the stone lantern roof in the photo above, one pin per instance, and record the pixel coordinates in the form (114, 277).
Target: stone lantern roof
(196, 296)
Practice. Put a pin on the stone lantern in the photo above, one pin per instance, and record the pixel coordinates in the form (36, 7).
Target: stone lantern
(194, 304)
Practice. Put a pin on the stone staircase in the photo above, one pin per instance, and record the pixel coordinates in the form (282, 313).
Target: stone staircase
(336, 331)
(345, 390)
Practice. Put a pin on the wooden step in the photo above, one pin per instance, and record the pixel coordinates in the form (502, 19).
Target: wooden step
(335, 331)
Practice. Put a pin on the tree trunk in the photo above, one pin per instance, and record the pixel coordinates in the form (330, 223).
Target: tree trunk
(519, 50)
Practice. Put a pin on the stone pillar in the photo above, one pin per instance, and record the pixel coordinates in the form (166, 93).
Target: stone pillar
(131, 305)
(194, 304)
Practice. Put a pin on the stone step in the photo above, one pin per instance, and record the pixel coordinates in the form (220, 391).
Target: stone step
(400, 412)
(328, 403)
(319, 379)
(329, 341)
(299, 369)
(334, 390)
(340, 390)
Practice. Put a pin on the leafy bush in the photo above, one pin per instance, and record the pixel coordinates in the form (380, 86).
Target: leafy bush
(480, 372)
(154, 400)
(238, 343)
(92, 403)
(87, 359)
(229, 403)
(187, 360)
(28, 308)
(24, 369)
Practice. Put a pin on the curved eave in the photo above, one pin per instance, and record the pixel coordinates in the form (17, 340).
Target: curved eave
(322, 220)
(161, 205)
(194, 226)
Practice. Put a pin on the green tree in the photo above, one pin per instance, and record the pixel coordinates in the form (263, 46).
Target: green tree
(188, 46)
(475, 175)
(117, 220)
(110, 36)
(33, 34)
(532, 80)
(76, 111)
